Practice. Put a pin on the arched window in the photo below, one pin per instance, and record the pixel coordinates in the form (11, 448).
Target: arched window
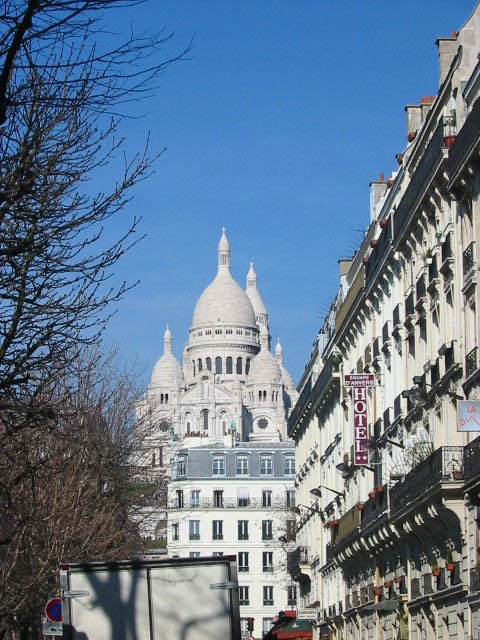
(194, 372)
(166, 397)
(218, 365)
(265, 396)
(153, 459)
(200, 367)
(223, 420)
(229, 365)
(188, 422)
(259, 396)
(204, 419)
(239, 366)
(247, 366)
(209, 364)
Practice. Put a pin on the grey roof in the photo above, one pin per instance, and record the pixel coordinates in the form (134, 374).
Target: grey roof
(199, 461)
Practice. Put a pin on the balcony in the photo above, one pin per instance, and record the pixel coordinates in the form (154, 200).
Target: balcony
(421, 295)
(410, 309)
(447, 255)
(433, 276)
(302, 406)
(419, 177)
(468, 260)
(445, 465)
(464, 145)
(298, 564)
(397, 322)
(374, 508)
(228, 503)
(398, 407)
(386, 335)
(348, 523)
(376, 349)
(471, 362)
(471, 460)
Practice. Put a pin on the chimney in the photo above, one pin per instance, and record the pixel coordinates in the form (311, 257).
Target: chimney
(447, 49)
(377, 191)
(414, 120)
(426, 102)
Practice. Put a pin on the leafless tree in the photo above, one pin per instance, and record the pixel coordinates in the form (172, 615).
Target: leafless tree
(74, 505)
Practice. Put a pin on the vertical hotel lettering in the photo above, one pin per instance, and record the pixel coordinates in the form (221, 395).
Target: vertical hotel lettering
(359, 383)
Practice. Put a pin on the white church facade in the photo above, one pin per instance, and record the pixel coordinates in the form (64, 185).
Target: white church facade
(229, 383)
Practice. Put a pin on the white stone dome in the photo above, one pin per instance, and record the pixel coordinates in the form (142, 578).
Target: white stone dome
(167, 373)
(264, 367)
(224, 301)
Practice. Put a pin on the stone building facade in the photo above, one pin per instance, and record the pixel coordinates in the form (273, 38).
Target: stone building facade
(390, 549)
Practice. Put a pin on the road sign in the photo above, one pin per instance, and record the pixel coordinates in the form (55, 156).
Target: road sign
(468, 415)
(53, 610)
(51, 628)
(249, 638)
(306, 614)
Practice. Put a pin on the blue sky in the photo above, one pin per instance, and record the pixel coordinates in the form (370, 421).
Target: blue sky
(274, 127)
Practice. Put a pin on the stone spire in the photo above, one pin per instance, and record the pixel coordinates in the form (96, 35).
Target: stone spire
(223, 252)
(167, 341)
(251, 277)
(279, 352)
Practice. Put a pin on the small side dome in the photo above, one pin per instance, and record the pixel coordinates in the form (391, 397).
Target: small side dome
(167, 373)
(265, 367)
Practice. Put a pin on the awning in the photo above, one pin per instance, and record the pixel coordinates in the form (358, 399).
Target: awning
(295, 629)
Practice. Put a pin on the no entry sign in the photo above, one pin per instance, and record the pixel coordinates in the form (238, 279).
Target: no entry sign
(53, 610)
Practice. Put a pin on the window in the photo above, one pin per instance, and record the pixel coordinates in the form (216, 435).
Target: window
(217, 553)
(291, 531)
(266, 498)
(268, 596)
(194, 529)
(242, 465)
(247, 366)
(243, 561)
(267, 530)
(292, 595)
(209, 361)
(218, 498)
(244, 627)
(217, 529)
(218, 468)
(289, 468)
(243, 595)
(200, 366)
(266, 465)
(267, 562)
(175, 531)
(243, 529)
(181, 466)
(204, 419)
(218, 365)
(160, 457)
(229, 365)
(179, 499)
(267, 624)
(239, 366)
(290, 497)
(242, 497)
(194, 554)
(195, 498)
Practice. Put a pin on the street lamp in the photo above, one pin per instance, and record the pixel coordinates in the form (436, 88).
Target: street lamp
(419, 394)
(373, 445)
(298, 512)
(345, 469)
(317, 492)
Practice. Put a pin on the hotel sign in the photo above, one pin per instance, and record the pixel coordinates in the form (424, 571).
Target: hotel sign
(359, 382)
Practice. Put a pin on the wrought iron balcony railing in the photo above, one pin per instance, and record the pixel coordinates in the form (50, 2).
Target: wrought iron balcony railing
(471, 362)
(299, 556)
(444, 465)
(227, 503)
(471, 460)
(468, 260)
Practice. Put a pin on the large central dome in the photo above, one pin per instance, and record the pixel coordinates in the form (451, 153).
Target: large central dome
(224, 301)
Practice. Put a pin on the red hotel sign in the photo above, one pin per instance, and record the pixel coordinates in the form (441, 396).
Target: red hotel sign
(359, 382)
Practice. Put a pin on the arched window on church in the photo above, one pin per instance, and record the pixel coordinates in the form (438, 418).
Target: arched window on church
(229, 365)
(218, 365)
(200, 366)
(273, 396)
(265, 396)
(259, 396)
(161, 398)
(204, 419)
(153, 459)
(223, 421)
(239, 366)
(247, 366)
(209, 364)
(188, 423)
(194, 372)
(166, 397)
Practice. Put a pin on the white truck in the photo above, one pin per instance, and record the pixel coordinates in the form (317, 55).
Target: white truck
(168, 599)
